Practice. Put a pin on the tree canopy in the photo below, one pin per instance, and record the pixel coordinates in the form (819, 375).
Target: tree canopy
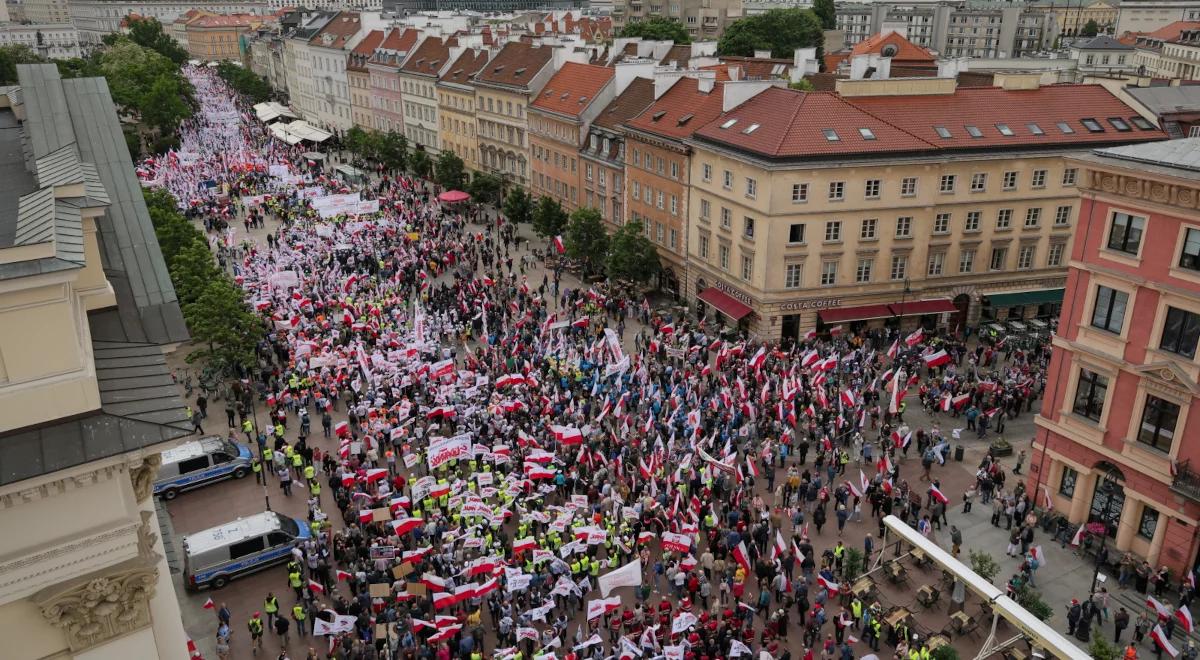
(485, 188)
(586, 240)
(148, 33)
(631, 256)
(245, 82)
(10, 57)
(146, 85)
(780, 31)
(549, 218)
(518, 207)
(659, 29)
(1091, 28)
(449, 171)
(825, 13)
(223, 326)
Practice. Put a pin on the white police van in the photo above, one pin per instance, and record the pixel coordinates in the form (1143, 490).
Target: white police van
(200, 462)
(213, 557)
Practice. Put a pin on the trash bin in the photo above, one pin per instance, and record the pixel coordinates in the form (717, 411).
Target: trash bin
(958, 453)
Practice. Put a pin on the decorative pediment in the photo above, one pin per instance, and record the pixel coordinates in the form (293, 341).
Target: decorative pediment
(1169, 374)
(96, 608)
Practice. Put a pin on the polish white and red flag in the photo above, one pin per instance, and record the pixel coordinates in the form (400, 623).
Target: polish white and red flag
(780, 545)
(558, 244)
(316, 587)
(831, 586)
(567, 435)
(742, 556)
(1185, 618)
(936, 359)
(894, 350)
(751, 467)
(1159, 608)
(1163, 641)
(849, 398)
(759, 358)
(915, 338)
(936, 493)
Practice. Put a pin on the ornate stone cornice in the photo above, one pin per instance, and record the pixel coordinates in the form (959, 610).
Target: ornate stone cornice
(96, 608)
(1147, 187)
(59, 484)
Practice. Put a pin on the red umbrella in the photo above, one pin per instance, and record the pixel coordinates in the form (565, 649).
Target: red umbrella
(452, 196)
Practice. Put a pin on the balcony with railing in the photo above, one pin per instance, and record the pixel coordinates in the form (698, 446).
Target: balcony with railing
(1186, 481)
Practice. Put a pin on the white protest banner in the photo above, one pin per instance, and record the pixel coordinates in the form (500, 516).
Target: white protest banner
(410, 460)
(421, 488)
(682, 622)
(673, 652)
(340, 624)
(629, 575)
(369, 206)
(518, 582)
(444, 450)
(527, 633)
(278, 171)
(596, 608)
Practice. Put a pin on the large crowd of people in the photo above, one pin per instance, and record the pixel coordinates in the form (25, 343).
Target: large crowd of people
(508, 477)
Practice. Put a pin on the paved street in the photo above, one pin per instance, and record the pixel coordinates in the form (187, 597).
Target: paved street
(1065, 576)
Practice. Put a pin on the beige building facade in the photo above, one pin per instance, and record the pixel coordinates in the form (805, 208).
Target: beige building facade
(503, 91)
(86, 576)
(456, 106)
(810, 236)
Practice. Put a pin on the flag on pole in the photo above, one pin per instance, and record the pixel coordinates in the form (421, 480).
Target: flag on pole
(1039, 555)
(937, 494)
(936, 359)
(1185, 617)
(742, 556)
(209, 604)
(1158, 607)
(316, 587)
(558, 244)
(1163, 642)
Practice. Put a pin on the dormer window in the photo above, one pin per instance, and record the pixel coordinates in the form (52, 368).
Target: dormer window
(658, 115)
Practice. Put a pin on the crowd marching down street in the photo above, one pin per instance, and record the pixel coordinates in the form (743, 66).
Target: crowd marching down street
(514, 480)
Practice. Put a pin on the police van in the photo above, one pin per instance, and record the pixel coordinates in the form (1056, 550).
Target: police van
(213, 557)
(200, 462)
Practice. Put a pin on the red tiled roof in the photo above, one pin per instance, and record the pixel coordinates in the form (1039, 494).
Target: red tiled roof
(1172, 31)
(429, 58)
(792, 123)
(467, 65)
(684, 109)
(573, 88)
(906, 51)
(515, 65)
(400, 40)
(638, 95)
(357, 60)
(343, 26)
(678, 53)
(760, 68)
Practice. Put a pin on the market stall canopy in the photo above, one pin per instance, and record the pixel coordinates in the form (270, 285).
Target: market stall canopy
(280, 131)
(306, 131)
(314, 155)
(271, 110)
(454, 196)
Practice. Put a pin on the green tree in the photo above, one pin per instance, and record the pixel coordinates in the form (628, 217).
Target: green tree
(632, 256)
(175, 232)
(802, 85)
(192, 269)
(780, 31)
(420, 164)
(1031, 600)
(449, 171)
(141, 80)
(1102, 650)
(223, 326)
(946, 652)
(148, 33)
(10, 57)
(245, 82)
(390, 149)
(485, 188)
(518, 207)
(80, 67)
(825, 13)
(984, 565)
(586, 240)
(549, 218)
(657, 28)
(355, 140)
(1091, 28)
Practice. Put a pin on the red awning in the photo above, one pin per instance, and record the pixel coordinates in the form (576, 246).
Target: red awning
(453, 196)
(725, 303)
(860, 313)
(921, 307)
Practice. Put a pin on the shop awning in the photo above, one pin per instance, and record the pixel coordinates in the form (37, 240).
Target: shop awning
(922, 307)
(725, 303)
(1037, 297)
(860, 313)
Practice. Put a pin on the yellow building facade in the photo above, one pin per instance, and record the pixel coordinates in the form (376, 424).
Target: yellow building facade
(820, 237)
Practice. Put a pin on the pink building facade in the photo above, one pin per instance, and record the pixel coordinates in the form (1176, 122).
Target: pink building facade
(1118, 439)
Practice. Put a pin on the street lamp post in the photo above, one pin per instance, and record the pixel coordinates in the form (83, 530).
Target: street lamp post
(1108, 484)
(903, 299)
(258, 445)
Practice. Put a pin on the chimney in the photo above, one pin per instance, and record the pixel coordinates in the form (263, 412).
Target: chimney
(762, 54)
(627, 72)
(734, 72)
(804, 62)
(706, 84)
(1017, 81)
(663, 80)
(883, 67)
(737, 93)
(858, 66)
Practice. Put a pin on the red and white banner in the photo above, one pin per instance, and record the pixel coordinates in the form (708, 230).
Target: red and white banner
(676, 542)
(937, 494)
(1163, 641)
(602, 606)
(936, 359)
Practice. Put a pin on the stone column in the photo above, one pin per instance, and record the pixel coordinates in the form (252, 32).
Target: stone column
(167, 620)
(1085, 486)
(1160, 533)
(1127, 522)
